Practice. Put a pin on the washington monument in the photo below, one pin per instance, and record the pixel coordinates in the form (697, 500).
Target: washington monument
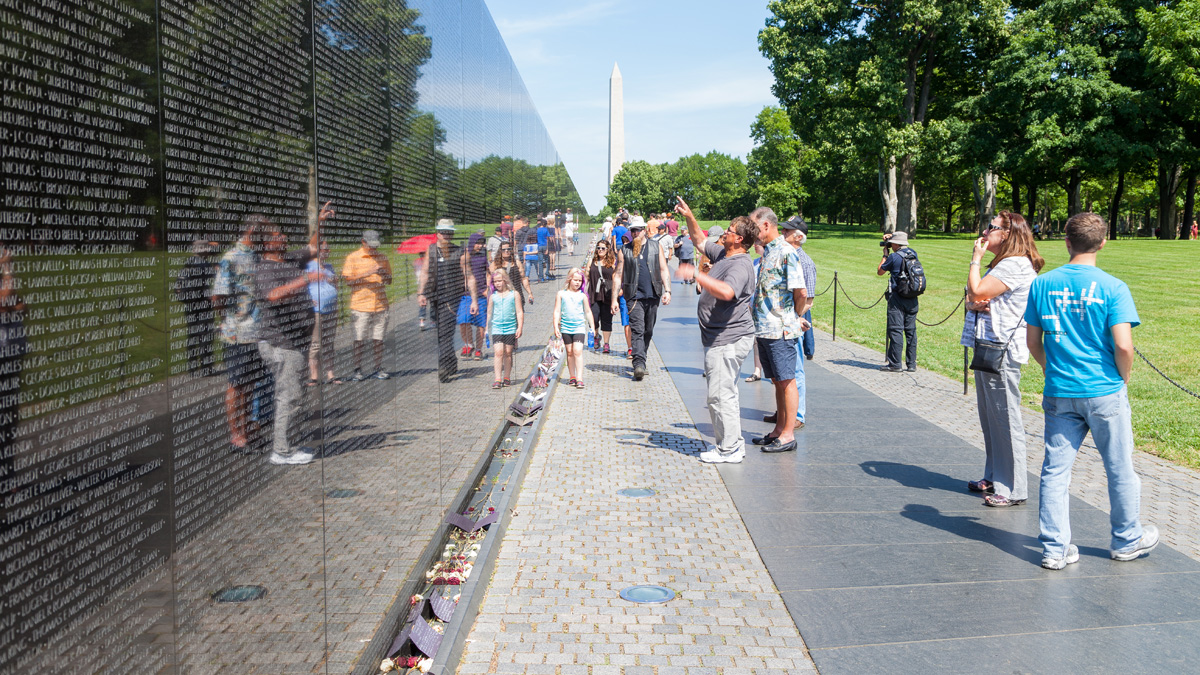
(616, 124)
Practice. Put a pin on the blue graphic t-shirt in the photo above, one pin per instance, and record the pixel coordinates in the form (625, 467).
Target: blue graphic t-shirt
(1076, 307)
(543, 235)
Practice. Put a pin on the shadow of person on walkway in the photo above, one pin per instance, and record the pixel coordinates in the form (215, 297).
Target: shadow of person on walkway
(855, 363)
(913, 476)
(1020, 546)
(667, 440)
(685, 370)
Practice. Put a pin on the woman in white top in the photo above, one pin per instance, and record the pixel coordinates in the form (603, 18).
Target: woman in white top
(572, 322)
(996, 309)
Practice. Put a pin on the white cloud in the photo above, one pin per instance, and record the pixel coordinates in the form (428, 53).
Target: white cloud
(734, 92)
(589, 13)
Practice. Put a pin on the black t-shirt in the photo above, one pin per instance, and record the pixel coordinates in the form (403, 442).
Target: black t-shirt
(645, 287)
(288, 322)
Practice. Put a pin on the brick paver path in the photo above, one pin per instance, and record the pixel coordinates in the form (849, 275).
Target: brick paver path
(1170, 493)
(553, 608)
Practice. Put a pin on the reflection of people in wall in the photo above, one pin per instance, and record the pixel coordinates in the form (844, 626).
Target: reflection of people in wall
(324, 296)
(233, 295)
(192, 288)
(471, 323)
(369, 273)
(12, 352)
(285, 332)
(442, 289)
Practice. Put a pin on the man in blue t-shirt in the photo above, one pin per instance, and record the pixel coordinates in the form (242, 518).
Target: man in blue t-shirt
(1081, 323)
(543, 242)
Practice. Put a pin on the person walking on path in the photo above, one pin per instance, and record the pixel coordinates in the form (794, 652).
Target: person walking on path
(725, 313)
(645, 280)
(601, 298)
(795, 232)
(443, 288)
(778, 302)
(544, 235)
(324, 296)
(1081, 322)
(572, 322)
(901, 310)
(525, 245)
(368, 273)
(504, 260)
(285, 333)
(505, 320)
(472, 310)
(995, 312)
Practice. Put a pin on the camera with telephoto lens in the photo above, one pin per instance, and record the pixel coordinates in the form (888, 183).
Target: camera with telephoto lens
(885, 243)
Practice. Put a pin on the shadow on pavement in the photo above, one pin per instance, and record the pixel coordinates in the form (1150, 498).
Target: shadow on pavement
(1020, 546)
(910, 475)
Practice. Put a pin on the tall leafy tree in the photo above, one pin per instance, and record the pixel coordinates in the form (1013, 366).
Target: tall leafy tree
(715, 185)
(638, 186)
(774, 163)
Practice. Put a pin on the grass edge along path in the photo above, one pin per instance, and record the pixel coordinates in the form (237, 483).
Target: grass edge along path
(1160, 274)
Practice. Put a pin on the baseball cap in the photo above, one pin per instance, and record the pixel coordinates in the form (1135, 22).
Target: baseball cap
(371, 238)
(796, 223)
(716, 231)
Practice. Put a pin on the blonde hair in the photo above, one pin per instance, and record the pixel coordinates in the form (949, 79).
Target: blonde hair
(503, 274)
(572, 272)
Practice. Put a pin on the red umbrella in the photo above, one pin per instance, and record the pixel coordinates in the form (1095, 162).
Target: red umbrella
(417, 244)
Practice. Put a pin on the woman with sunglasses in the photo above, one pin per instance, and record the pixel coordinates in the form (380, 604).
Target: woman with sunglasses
(996, 303)
(505, 261)
(600, 290)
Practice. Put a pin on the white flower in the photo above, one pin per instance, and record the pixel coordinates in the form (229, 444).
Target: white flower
(424, 665)
(387, 665)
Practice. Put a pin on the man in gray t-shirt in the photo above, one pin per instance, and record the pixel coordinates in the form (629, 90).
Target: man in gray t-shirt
(726, 326)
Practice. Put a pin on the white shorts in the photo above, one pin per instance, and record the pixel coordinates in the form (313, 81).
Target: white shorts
(369, 325)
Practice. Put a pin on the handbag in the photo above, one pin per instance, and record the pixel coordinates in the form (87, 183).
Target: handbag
(989, 354)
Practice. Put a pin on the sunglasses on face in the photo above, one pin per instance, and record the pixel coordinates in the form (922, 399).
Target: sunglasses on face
(993, 228)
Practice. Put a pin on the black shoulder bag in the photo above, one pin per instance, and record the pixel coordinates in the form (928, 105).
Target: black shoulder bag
(989, 354)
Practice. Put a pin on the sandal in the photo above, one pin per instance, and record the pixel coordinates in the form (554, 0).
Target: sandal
(981, 485)
(579, 384)
(311, 383)
(507, 382)
(334, 380)
(497, 384)
(754, 378)
(571, 382)
(1001, 500)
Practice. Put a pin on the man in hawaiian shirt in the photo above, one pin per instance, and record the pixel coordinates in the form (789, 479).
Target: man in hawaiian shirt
(234, 295)
(779, 301)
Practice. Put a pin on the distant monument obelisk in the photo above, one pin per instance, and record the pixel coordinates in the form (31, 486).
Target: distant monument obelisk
(616, 124)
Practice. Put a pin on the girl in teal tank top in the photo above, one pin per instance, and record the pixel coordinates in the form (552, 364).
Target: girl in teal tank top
(506, 318)
(572, 322)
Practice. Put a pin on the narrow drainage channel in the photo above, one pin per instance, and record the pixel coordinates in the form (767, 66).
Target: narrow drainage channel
(427, 626)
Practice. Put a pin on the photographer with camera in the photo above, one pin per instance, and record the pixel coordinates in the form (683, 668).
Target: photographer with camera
(906, 284)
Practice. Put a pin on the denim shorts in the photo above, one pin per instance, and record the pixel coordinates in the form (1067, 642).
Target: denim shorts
(624, 311)
(778, 358)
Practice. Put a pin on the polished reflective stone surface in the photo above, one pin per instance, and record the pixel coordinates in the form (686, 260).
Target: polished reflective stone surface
(139, 142)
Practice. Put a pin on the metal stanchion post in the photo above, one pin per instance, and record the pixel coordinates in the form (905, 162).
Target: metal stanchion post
(835, 289)
(965, 371)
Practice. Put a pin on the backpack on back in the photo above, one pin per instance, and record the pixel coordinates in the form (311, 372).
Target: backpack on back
(910, 283)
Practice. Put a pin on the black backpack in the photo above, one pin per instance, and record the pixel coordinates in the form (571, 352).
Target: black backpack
(910, 283)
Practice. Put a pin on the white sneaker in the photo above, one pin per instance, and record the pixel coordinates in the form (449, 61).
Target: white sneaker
(714, 457)
(298, 456)
(1069, 558)
(1144, 545)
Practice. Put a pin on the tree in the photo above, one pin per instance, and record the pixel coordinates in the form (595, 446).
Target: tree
(638, 186)
(715, 185)
(774, 163)
(872, 72)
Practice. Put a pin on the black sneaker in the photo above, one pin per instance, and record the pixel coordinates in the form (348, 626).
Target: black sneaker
(638, 373)
(891, 369)
(911, 370)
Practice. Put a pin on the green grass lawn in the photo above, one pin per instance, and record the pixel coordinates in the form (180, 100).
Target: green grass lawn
(1161, 275)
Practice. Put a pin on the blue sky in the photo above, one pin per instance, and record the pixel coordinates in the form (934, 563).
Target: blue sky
(694, 78)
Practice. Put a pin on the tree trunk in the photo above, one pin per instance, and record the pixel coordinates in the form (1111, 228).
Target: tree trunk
(1115, 210)
(1016, 194)
(1169, 175)
(1032, 214)
(1074, 181)
(887, 193)
(984, 188)
(1189, 208)
(906, 202)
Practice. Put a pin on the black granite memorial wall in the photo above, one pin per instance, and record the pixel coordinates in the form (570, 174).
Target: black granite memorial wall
(155, 155)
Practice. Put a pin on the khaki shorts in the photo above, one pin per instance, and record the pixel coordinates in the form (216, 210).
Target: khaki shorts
(369, 325)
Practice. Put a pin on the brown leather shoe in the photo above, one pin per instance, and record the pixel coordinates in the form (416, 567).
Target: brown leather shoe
(769, 418)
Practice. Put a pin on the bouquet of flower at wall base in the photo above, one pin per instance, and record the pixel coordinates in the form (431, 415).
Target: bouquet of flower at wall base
(470, 537)
(451, 572)
(409, 663)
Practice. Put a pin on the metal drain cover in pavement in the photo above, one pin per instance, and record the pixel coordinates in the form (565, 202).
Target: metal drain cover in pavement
(629, 437)
(648, 595)
(404, 438)
(343, 493)
(625, 400)
(636, 492)
(240, 594)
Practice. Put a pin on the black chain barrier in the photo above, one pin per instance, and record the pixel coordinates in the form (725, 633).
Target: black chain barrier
(826, 289)
(843, 287)
(952, 313)
(1164, 375)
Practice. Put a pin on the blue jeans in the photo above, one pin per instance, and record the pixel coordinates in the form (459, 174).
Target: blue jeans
(1067, 422)
(533, 268)
(800, 398)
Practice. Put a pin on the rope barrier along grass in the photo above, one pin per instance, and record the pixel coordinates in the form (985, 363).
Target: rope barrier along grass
(1164, 375)
(848, 299)
(951, 315)
(826, 289)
